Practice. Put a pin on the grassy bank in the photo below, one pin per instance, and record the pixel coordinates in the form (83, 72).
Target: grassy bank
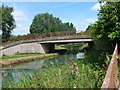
(20, 55)
(85, 45)
(60, 46)
(16, 59)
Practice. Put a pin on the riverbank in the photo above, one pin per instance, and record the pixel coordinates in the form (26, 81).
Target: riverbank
(16, 59)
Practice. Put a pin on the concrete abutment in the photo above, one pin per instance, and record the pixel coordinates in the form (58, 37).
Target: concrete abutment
(28, 48)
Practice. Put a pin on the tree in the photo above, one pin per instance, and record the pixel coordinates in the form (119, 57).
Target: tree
(8, 22)
(44, 23)
(106, 31)
(69, 27)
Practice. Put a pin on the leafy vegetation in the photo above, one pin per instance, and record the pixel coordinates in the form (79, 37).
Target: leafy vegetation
(106, 31)
(44, 23)
(8, 22)
(58, 46)
(84, 45)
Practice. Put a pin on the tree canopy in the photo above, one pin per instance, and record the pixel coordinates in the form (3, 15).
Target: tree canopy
(7, 21)
(44, 23)
(106, 31)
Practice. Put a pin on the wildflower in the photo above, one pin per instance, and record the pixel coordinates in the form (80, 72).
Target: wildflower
(75, 64)
(77, 68)
(51, 63)
(71, 67)
(74, 87)
(70, 58)
(5, 75)
(77, 73)
(72, 71)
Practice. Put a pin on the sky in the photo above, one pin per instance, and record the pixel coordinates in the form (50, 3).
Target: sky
(81, 14)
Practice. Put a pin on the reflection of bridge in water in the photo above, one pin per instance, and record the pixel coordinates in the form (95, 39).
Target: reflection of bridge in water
(44, 44)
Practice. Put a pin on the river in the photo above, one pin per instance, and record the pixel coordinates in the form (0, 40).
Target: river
(14, 73)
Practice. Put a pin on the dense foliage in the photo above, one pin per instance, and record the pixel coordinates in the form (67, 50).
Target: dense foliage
(7, 21)
(44, 23)
(106, 31)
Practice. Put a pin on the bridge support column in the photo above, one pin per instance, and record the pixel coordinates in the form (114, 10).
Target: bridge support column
(47, 48)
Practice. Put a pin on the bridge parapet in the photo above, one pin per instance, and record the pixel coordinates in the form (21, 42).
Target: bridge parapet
(47, 37)
(50, 34)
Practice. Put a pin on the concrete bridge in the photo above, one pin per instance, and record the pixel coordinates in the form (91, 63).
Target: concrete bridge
(42, 45)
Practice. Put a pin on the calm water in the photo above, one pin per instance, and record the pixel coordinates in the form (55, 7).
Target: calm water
(16, 72)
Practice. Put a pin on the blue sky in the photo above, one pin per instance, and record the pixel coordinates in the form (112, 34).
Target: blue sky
(81, 14)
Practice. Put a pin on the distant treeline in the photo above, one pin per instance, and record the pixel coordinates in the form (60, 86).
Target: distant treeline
(44, 23)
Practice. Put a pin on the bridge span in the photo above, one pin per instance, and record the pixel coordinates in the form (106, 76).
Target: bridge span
(42, 45)
(87, 40)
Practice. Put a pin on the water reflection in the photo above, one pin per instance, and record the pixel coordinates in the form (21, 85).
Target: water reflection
(28, 65)
(80, 55)
(15, 75)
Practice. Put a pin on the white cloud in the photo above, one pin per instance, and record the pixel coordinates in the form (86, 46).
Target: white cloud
(81, 27)
(91, 20)
(21, 29)
(64, 5)
(96, 7)
(22, 19)
(19, 15)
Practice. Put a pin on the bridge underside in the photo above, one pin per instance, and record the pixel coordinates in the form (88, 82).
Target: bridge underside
(48, 48)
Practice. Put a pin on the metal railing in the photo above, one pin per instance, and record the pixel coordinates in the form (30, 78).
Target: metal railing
(110, 80)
